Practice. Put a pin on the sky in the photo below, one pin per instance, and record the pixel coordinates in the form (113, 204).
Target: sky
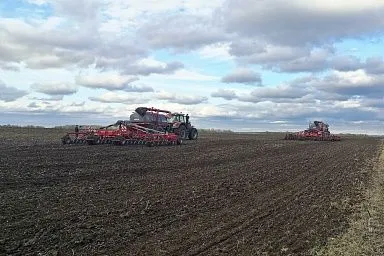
(250, 65)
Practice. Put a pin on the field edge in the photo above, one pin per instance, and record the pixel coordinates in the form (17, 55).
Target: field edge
(365, 235)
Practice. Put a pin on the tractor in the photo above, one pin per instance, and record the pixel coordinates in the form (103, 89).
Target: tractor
(179, 124)
(164, 120)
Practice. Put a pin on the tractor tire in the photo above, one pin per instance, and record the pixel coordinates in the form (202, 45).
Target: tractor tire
(182, 132)
(193, 134)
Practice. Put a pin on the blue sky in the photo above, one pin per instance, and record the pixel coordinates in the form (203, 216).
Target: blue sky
(230, 64)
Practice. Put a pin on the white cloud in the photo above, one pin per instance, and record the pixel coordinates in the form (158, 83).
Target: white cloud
(225, 94)
(214, 111)
(181, 32)
(179, 99)
(279, 122)
(357, 78)
(278, 94)
(350, 103)
(190, 75)
(113, 97)
(8, 93)
(350, 83)
(149, 66)
(219, 51)
(9, 66)
(38, 2)
(54, 88)
(110, 81)
(340, 6)
(301, 22)
(243, 76)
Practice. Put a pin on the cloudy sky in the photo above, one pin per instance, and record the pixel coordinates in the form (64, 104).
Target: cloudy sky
(250, 65)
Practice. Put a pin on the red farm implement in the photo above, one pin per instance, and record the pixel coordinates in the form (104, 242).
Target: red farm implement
(147, 126)
(123, 133)
(317, 130)
(78, 137)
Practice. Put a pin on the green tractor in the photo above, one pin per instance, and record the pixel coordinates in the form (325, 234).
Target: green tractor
(164, 120)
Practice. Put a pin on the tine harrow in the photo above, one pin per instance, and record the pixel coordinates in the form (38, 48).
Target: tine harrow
(124, 134)
(318, 130)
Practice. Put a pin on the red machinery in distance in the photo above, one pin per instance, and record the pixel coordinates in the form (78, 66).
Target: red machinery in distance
(317, 130)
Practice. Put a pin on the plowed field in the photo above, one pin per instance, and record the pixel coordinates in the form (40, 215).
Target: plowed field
(221, 195)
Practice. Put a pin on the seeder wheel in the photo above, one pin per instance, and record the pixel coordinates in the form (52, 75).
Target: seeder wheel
(66, 140)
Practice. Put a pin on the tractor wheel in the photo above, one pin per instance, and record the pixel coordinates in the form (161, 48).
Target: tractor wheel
(193, 134)
(182, 132)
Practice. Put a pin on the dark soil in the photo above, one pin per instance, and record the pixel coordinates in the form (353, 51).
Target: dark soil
(220, 195)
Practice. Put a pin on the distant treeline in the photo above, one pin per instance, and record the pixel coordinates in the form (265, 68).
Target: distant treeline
(354, 134)
(66, 127)
(73, 126)
(214, 131)
(21, 126)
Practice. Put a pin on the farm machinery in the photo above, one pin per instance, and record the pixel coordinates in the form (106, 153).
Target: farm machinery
(317, 130)
(147, 126)
(164, 120)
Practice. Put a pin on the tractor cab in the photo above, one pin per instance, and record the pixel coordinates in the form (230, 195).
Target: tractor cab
(319, 125)
(177, 117)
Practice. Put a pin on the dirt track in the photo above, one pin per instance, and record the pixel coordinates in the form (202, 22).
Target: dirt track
(232, 194)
